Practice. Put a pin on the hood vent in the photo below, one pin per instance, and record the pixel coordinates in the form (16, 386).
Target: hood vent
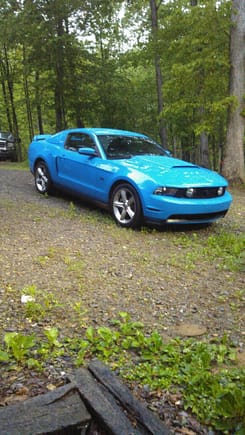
(190, 166)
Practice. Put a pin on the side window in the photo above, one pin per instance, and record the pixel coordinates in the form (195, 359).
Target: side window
(76, 140)
(87, 141)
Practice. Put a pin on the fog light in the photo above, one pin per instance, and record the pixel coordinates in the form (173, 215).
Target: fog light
(220, 191)
(190, 192)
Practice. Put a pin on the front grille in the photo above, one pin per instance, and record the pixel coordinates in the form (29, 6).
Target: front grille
(200, 193)
(210, 192)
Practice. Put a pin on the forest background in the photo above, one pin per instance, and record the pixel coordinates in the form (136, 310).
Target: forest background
(171, 69)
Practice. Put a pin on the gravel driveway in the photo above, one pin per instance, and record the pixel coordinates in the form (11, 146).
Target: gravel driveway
(78, 253)
(85, 270)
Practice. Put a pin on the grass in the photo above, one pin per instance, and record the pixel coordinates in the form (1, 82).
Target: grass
(16, 166)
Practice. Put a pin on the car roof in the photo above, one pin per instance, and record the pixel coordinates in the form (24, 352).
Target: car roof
(104, 131)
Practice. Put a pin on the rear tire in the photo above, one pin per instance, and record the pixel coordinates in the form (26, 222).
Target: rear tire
(125, 206)
(42, 178)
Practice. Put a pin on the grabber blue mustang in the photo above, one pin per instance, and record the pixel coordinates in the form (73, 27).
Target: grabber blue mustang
(129, 174)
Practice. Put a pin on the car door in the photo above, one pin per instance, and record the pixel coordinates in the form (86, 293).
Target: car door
(76, 171)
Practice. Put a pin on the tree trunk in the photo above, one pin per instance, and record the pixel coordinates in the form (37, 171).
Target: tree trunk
(233, 164)
(6, 104)
(38, 104)
(59, 86)
(204, 151)
(27, 97)
(159, 80)
(10, 83)
(203, 148)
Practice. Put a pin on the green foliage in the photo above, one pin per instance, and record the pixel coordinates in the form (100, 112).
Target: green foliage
(52, 336)
(102, 70)
(225, 249)
(39, 303)
(230, 248)
(72, 212)
(203, 372)
(19, 345)
(34, 310)
(230, 406)
(4, 356)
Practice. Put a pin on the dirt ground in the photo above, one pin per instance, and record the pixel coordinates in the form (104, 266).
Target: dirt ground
(89, 269)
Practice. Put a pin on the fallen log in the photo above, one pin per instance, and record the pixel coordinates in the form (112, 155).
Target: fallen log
(94, 401)
(60, 411)
(149, 421)
(104, 409)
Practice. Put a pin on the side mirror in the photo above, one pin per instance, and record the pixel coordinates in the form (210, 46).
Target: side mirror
(88, 152)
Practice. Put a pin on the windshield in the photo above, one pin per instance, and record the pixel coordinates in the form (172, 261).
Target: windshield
(6, 135)
(124, 147)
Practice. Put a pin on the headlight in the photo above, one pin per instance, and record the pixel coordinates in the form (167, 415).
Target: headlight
(166, 191)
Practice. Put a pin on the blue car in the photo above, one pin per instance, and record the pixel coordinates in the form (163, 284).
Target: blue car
(129, 174)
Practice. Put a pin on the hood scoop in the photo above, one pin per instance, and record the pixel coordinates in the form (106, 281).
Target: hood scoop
(189, 166)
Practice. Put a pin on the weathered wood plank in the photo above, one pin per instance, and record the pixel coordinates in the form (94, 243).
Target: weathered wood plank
(61, 411)
(103, 408)
(122, 393)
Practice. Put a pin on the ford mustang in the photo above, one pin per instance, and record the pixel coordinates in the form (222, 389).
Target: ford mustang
(129, 174)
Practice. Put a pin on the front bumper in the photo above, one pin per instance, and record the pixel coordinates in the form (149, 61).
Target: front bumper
(166, 209)
(6, 154)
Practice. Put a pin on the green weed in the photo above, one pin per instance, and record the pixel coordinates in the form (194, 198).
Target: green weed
(72, 211)
(204, 373)
(40, 303)
(19, 345)
(229, 249)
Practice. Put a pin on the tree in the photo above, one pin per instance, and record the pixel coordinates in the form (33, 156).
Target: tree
(195, 40)
(203, 146)
(66, 63)
(233, 165)
(158, 71)
(8, 70)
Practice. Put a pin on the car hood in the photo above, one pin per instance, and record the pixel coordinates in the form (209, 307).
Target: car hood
(174, 172)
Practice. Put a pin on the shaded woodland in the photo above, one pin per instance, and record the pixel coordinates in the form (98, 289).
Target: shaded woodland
(171, 69)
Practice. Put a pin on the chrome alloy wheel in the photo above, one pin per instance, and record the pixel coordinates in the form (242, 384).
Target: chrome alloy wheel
(42, 178)
(126, 206)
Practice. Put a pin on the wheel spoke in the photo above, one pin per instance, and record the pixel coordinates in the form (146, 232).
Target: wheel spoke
(131, 201)
(118, 204)
(130, 212)
(123, 214)
(40, 171)
(123, 195)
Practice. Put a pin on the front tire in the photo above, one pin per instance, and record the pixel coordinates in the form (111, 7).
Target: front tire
(42, 178)
(125, 206)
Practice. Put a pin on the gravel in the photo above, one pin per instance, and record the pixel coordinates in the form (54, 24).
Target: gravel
(88, 270)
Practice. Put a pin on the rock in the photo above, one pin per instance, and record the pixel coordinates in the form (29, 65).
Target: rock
(190, 330)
